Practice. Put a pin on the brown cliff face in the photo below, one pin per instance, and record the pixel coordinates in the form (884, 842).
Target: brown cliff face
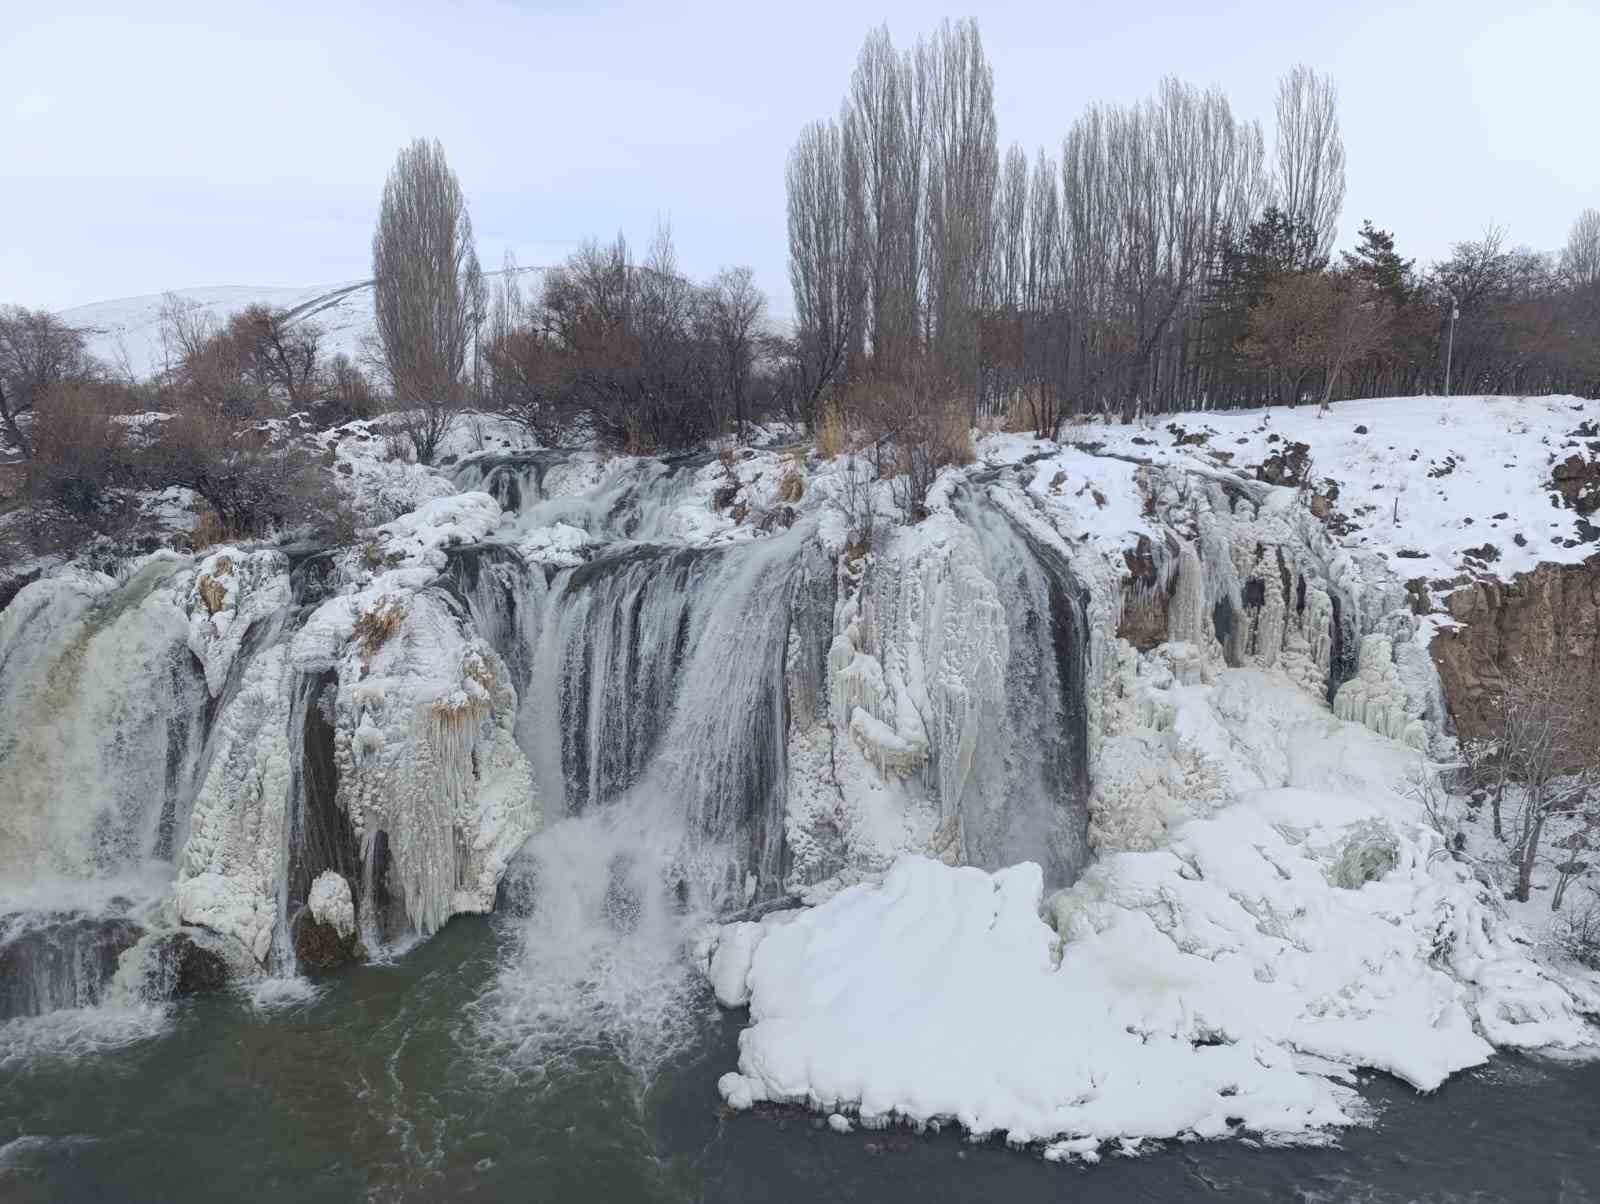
(1144, 599)
(1545, 620)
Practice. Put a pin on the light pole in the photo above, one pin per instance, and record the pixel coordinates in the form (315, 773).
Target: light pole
(1450, 347)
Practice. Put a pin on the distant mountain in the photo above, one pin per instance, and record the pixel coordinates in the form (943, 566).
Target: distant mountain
(127, 332)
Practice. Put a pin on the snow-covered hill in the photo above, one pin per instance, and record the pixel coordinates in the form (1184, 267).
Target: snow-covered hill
(126, 333)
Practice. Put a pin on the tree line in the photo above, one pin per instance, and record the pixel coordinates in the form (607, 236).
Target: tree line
(1161, 259)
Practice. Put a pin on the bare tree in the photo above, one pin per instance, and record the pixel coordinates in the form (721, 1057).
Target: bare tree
(1310, 153)
(185, 327)
(280, 352)
(37, 352)
(426, 291)
(1354, 326)
(1548, 753)
(885, 122)
(820, 183)
(734, 310)
(1580, 259)
(963, 164)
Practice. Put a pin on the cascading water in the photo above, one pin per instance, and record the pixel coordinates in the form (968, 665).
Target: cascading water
(624, 500)
(1026, 798)
(102, 719)
(658, 711)
(647, 692)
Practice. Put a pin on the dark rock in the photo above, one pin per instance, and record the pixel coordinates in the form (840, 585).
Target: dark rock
(182, 964)
(1577, 481)
(1286, 467)
(1361, 430)
(1144, 603)
(319, 947)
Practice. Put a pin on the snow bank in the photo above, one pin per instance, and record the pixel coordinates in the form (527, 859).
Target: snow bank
(1294, 921)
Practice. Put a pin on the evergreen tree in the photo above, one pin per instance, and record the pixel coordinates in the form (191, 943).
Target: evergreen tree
(1375, 261)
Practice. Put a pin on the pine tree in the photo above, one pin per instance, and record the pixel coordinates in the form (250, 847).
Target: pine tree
(1375, 261)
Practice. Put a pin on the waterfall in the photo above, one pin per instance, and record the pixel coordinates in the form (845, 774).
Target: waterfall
(217, 737)
(102, 714)
(1027, 796)
(660, 713)
(659, 673)
(625, 499)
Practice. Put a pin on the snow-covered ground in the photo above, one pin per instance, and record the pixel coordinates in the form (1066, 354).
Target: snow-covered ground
(126, 333)
(1422, 481)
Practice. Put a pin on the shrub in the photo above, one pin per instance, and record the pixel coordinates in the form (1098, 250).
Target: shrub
(255, 482)
(79, 449)
(832, 435)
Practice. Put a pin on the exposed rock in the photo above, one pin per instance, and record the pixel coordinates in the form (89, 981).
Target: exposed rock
(183, 963)
(1545, 620)
(59, 960)
(319, 945)
(1577, 480)
(1146, 595)
(1286, 467)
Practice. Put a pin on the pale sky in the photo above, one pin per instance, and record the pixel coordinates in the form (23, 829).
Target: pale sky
(174, 143)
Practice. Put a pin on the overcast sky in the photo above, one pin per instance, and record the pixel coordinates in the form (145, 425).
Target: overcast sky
(174, 144)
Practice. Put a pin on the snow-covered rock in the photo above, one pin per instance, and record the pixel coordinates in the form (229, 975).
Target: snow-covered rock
(330, 903)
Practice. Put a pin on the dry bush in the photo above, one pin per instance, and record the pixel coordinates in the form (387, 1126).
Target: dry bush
(208, 531)
(374, 627)
(255, 483)
(925, 443)
(792, 485)
(79, 449)
(833, 434)
(1020, 415)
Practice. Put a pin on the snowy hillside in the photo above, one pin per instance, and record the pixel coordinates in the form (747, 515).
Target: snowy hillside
(1435, 485)
(127, 332)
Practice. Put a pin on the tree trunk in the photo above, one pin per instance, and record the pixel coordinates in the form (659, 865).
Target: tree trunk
(1527, 855)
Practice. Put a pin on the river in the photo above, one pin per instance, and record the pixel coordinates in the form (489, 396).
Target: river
(381, 1086)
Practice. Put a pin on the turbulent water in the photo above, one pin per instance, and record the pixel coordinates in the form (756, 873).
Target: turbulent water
(385, 1086)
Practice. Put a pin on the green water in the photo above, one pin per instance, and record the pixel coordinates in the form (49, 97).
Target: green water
(382, 1088)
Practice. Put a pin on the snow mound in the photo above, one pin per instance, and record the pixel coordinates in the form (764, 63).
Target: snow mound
(1230, 979)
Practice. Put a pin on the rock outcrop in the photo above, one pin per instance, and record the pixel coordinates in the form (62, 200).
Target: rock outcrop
(1546, 621)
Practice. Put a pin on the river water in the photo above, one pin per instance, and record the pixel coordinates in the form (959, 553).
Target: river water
(383, 1086)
